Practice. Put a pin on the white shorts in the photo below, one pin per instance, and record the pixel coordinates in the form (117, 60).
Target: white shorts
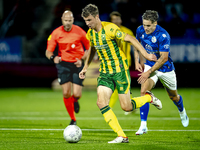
(168, 79)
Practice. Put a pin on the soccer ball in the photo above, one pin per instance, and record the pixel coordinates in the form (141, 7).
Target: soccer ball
(72, 134)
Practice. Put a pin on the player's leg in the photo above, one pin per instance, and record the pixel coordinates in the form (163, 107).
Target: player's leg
(169, 81)
(68, 101)
(104, 93)
(65, 78)
(77, 88)
(144, 110)
(178, 101)
(113, 98)
(122, 81)
(77, 93)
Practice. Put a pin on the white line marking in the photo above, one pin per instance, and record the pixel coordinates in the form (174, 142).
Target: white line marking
(88, 118)
(97, 130)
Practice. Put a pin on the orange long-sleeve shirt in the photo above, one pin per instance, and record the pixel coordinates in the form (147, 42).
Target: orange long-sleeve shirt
(70, 44)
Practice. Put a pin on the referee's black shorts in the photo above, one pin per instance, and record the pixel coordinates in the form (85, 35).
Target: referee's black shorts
(68, 72)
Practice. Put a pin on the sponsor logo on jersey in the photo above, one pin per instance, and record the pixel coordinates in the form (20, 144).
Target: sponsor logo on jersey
(148, 47)
(166, 46)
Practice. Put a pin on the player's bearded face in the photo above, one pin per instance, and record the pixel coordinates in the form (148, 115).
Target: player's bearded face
(149, 27)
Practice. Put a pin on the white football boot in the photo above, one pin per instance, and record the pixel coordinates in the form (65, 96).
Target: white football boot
(142, 130)
(184, 118)
(120, 139)
(155, 101)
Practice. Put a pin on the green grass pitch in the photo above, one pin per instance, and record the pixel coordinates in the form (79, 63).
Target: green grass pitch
(35, 119)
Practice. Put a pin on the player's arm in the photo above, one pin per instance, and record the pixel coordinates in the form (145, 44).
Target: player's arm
(51, 44)
(163, 58)
(138, 66)
(139, 47)
(159, 63)
(79, 62)
(139, 60)
(85, 55)
(91, 53)
(52, 57)
(86, 44)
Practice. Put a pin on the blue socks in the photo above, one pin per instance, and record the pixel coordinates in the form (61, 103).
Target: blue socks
(144, 110)
(179, 104)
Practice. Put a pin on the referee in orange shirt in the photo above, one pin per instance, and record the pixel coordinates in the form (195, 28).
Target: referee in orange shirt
(71, 41)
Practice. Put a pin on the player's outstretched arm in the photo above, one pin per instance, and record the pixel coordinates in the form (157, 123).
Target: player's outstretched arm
(139, 47)
(88, 60)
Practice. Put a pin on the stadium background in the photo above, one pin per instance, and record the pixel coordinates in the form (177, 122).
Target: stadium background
(26, 24)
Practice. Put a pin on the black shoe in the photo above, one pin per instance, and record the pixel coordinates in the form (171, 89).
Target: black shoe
(76, 107)
(72, 122)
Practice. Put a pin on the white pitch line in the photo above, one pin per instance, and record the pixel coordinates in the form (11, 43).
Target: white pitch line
(88, 118)
(97, 130)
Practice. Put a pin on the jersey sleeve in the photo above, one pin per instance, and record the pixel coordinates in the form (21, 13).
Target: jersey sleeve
(164, 43)
(85, 41)
(115, 32)
(138, 34)
(51, 42)
(88, 37)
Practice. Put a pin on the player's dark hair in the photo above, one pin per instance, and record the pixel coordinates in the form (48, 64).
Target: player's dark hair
(115, 13)
(150, 15)
(90, 9)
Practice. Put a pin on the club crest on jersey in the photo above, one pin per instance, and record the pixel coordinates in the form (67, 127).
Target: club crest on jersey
(153, 39)
(119, 34)
(103, 37)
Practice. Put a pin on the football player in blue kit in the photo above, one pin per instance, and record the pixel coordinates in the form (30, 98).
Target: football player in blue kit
(156, 40)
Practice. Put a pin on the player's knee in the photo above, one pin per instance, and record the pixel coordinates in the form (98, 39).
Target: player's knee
(101, 103)
(126, 107)
(142, 92)
(174, 98)
(66, 94)
(77, 96)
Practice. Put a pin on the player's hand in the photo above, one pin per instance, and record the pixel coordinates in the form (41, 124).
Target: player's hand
(143, 77)
(57, 60)
(78, 63)
(82, 73)
(152, 57)
(138, 67)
